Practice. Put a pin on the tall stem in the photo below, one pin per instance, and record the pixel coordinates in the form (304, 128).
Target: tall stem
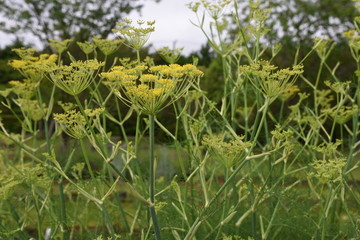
(152, 178)
(198, 220)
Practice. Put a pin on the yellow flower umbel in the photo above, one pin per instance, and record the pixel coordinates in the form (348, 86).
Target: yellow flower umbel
(270, 81)
(76, 77)
(24, 53)
(151, 89)
(33, 68)
(72, 123)
(135, 36)
(23, 89)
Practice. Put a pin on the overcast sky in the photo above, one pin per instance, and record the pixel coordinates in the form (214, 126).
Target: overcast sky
(172, 28)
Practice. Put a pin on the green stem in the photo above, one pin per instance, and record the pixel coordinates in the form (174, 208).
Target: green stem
(224, 206)
(87, 160)
(152, 178)
(198, 220)
(38, 214)
(138, 56)
(63, 211)
(324, 217)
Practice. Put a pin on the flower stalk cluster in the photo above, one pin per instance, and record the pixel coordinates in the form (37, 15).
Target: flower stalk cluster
(76, 77)
(151, 89)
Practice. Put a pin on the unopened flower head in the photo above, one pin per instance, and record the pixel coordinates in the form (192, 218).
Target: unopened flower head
(329, 170)
(338, 87)
(76, 77)
(86, 47)
(72, 123)
(171, 56)
(281, 137)
(322, 46)
(269, 80)
(25, 53)
(107, 46)
(214, 8)
(60, 46)
(23, 89)
(135, 36)
(150, 89)
(228, 152)
(342, 114)
(353, 38)
(31, 108)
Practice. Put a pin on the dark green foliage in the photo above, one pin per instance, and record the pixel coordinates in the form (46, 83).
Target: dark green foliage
(54, 19)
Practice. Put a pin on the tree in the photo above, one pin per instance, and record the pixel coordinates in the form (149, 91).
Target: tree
(301, 20)
(304, 19)
(63, 19)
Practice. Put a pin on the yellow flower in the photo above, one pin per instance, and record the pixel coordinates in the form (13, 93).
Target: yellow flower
(151, 89)
(34, 68)
(24, 53)
(272, 82)
(72, 123)
(76, 77)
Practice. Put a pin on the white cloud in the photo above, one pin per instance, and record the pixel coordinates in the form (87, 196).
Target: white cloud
(173, 27)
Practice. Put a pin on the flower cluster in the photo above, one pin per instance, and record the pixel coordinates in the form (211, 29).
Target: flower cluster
(23, 89)
(329, 170)
(228, 152)
(76, 77)
(215, 10)
(150, 89)
(330, 167)
(31, 67)
(60, 46)
(31, 108)
(135, 36)
(353, 38)
(171, 56)
(288, 92)
(322, 47)
(72, 123)
(269, 80)
(342, 114)
(107, 46)
(86, 47)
